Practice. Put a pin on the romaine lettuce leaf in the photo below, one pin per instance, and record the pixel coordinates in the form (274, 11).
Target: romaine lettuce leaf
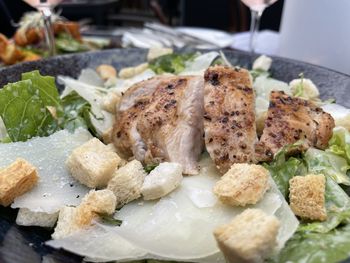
(171, 63)
(311, 247)
(76, 113)
(24, 107)
(282, 168)
(328, 164)
(339, 144)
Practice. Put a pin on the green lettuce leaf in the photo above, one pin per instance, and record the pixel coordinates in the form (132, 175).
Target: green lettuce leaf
(24, 107)
(65, 43)
(76, 113)
(328, 164)
(171, 63)
(310, 247)
(339, 144)
(282, 168)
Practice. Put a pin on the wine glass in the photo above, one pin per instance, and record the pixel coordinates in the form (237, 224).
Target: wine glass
(257, 8)
(45, 7)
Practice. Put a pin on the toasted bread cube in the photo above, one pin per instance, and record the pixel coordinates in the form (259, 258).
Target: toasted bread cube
(165, 178)
(72, 219)
(26, 217)
(243, 184)
(15, 180)
(106, 71)
(249, 237)
(126, 182)
(93, 163)
(65, 224)
(307, 196)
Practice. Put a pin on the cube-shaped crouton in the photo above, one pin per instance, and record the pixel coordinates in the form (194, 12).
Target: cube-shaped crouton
(243, 184)
(95, 203)
(126, 182)
(93, 163)
(15, 180)
(162, 180)
(249, 237)
(65, 224)
(26, 217)
(307, 196)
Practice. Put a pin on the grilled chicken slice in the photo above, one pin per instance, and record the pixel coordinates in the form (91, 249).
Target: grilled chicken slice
(290, 119)
(229, 118)
(126, 138)
(161, 119)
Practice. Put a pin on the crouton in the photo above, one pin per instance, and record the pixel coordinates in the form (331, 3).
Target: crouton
(65, 224)
(15, 180)
(72, 219)
(26, 217)
(249, 237)
(161, 181)
(126, 182)
(262, 63)
(130, 72)
(307, 196)
(106, 71)
(243, 184)
(93, 163)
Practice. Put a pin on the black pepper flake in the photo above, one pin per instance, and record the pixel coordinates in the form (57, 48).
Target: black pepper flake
(214, 78)
(224, 119)
(207, 117)
(71, 184)
(77, 196)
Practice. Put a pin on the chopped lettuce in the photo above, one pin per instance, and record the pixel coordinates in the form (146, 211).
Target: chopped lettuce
(65, 43)
(76, 113)
(339, 144)
(328, 164)
(30, 107)
(312, 247)
(171, 63)
(282, 168)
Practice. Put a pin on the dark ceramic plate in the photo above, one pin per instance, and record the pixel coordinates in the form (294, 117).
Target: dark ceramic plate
(25, 244)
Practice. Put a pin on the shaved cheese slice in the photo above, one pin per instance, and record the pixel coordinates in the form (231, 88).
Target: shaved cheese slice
(263, 86)
(56, 187)
(200, 64)
(177, 227)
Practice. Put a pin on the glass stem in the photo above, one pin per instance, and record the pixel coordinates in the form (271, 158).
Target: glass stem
(49, 36)
(254, 28)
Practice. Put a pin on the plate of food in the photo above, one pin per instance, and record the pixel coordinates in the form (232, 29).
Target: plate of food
(29, 44)
(160, 156)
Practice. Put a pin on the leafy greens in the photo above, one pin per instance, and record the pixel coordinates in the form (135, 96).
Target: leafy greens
(24, 106)
(32, 107)
(327, 241)
(171, 63)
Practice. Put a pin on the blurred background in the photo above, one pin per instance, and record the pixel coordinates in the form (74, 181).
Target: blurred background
(303, 30)
(227, 15)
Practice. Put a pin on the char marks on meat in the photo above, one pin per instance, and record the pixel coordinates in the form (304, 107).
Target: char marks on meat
(290, 119)
(160, 119)
(229, 118)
